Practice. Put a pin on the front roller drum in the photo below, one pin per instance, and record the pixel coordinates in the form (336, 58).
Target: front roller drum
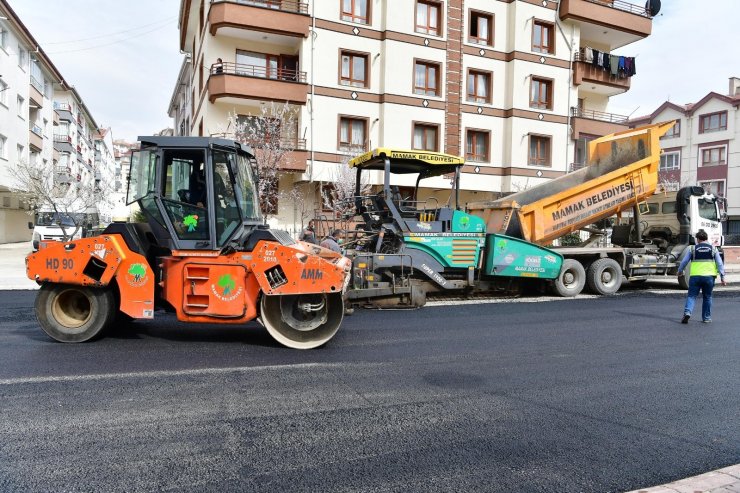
(303, 321)
(69, 313)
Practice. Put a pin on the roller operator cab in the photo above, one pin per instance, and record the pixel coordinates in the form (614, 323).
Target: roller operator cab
(204, 253)
(407, 247)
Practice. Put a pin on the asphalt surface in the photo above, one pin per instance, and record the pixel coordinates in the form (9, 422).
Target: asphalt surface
(601, 394)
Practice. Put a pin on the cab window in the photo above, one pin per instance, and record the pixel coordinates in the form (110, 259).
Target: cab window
(708, 210)
(184, 193)
(653, 208)
(669, 208)
(227, 209)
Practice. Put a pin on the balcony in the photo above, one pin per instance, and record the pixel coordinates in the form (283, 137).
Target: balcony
(36, 137)
(256, 83)
(63, 143)
(295, 157)
(65, 111)
(36, 92)
(609, 22)
(55, 117)
(279, 18)
(597, 80)
(596, 123)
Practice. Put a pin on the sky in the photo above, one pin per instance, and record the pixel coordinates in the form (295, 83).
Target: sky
(123, 56)
(693, 50)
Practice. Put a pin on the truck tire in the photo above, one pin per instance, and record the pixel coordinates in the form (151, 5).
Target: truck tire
(571, 280)
(70, 313)
(604, 276)
(683, 281)
(303, 321)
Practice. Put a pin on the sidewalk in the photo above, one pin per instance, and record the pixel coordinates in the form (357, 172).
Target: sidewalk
(725, 480)
(13, 266)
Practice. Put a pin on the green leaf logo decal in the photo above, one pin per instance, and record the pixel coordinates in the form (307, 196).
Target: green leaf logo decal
(191, 222)
(227, 283)
(138, 271)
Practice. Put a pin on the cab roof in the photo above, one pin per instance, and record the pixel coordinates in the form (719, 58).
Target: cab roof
(405, 161)
(192, 142)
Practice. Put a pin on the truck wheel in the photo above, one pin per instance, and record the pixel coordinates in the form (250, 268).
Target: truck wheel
(571, 280)
(74, 313)
(604, 276)
(303, 321)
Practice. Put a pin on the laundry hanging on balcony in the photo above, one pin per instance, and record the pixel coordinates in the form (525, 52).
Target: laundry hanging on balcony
(618, 66)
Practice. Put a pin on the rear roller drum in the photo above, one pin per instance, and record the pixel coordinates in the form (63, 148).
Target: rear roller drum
(74, 313)
(303, 321)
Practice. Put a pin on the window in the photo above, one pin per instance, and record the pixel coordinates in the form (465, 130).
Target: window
(543, 37)
(670, 161)
(3, 93)
(716, 188)
(476, 145)
(541, 94)
(481, 29)
(352, 134)
(22, 58)
(428, 17)
(675, 131)
(426, 78)
(479, 86)
(354, 70)
(713, 156)
(20, 150)
(668, 208)
(713, 122)
(425, 137)
(3, 145)
(283, 67)
(20, 101)
(539, 150)
(355, 11)
(3, 38)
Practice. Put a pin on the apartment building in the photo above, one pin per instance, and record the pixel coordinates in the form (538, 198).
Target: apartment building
(44, 121)
(703, 147)
(27, 117)
(517, 87)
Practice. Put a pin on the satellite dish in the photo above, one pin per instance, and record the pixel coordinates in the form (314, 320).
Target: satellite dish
(652, 7)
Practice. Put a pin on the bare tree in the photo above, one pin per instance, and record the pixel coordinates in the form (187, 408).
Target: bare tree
(303, 205)
(339, 195)
(70, 197)
(273, 135)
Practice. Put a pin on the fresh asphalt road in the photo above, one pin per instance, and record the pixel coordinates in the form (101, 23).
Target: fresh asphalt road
(603, 394)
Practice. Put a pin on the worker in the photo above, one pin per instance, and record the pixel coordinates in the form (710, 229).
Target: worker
(308, 235)
(705, 265)
(332, 241)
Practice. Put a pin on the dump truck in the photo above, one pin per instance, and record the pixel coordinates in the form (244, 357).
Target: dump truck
(203, 253)
(405, 248)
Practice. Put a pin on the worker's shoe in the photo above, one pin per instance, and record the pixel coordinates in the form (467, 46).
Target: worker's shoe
(685, 319)
(707, 321)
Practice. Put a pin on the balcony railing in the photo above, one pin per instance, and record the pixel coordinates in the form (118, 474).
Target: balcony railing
(284, 5)
(598, 115)
(62, 107)
(62, 138)
(262, 72)
(282, 143)
(623, 6)
(38, 85)
(37, 130)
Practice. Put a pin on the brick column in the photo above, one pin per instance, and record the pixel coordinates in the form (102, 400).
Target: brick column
(454, 88)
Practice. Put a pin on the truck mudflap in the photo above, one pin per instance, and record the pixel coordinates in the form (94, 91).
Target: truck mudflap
(512, 257)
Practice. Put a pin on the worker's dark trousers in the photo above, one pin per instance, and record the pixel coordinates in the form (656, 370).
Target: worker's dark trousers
(706, 285)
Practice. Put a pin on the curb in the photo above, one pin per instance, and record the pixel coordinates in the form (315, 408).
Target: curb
(725, 480)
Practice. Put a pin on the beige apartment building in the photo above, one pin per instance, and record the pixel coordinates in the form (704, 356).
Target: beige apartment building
(517, 87)
(703, 148)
